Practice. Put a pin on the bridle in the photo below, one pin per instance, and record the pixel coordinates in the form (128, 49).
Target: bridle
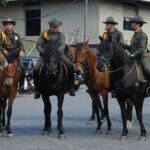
(82, 63)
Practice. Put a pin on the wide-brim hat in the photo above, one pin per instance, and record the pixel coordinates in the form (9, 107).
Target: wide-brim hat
(9, 20)
(110, 20)
(55, 22)
(138, 19)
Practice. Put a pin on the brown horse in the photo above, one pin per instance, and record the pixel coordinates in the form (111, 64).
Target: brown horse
(96, 81)
(9, 78)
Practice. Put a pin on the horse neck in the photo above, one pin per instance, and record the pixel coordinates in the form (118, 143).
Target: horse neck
(122, 56)
(92, 62)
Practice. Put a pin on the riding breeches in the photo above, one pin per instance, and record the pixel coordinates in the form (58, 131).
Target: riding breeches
(145, 62)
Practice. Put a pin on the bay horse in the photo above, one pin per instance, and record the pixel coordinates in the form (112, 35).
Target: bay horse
(71, 54)
(96, 81)
(126, 84)
(9, 79)
(53, 80)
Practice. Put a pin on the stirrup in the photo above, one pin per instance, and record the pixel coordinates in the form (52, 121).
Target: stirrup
(148, 91)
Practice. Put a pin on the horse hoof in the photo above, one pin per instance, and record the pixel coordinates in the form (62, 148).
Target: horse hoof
(123, 137)
(98, 132)
(45, 133)
(91, 122)
(10, 135)
(109, 132)
(3, 128)
(61, 136)
(129, 125)
(142, 138)
(1, 134)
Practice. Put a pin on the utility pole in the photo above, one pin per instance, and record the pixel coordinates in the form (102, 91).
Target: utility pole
(85, 20)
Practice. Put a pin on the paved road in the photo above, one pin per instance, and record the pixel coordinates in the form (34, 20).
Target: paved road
(27, 124)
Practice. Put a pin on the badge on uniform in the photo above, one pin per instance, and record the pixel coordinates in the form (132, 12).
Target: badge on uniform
(16, 37)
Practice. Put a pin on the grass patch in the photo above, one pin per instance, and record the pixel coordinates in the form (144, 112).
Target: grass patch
(28, 46)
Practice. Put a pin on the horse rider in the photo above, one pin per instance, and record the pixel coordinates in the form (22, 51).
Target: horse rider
(112, 31)
(10, 40)
(138, 47)
(54, 33)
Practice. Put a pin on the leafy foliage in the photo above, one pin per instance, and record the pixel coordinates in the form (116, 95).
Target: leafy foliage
(3, 2)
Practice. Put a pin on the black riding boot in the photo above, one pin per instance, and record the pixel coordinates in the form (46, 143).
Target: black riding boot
(36, 82)
(72, 90)
(22, 80)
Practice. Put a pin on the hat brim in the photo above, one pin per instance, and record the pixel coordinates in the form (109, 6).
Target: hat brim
(143, 22)
(55, 24)
(12, 22)
(110, 22)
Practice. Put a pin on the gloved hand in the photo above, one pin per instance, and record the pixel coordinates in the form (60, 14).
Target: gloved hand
(5, 52)
(21, 53)
(133, 55)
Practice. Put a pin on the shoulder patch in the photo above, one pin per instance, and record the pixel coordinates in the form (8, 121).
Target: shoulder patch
(45, 35)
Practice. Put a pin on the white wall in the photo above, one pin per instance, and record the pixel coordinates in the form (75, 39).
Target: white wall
(73, 18)
(145, 13)
(110, 8)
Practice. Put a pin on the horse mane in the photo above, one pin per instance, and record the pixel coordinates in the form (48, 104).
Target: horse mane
(121, 55)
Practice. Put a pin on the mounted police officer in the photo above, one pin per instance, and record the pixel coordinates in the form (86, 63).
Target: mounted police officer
(113, 32)
(54, 33)
(138, 46)
(10, 40)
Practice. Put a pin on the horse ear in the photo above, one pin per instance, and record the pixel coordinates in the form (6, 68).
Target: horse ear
(100, 38)
(86, 42)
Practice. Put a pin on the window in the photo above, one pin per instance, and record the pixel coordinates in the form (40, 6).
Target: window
(127, 23)
(33, 22)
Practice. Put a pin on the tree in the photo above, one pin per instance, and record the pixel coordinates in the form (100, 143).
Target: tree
(3, 2)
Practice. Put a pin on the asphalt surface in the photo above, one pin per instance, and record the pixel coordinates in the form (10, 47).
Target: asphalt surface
(28, 120)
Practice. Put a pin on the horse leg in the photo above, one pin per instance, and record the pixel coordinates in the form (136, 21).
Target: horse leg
(92, 118)
(9, 113)
(4, 109)
(1, 117)
(139, 109)
(60, 115)
(47, 113)
(95, 98)
(123, 115)
(129, 109)
(105, 102)
(101, 108)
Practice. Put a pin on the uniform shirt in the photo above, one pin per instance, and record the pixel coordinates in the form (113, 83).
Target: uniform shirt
(116, 36)
(10, 41)
(48, 35)
(139, 43)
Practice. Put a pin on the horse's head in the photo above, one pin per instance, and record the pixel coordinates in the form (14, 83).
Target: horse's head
(11, 70)
(3, 61)
(51, 57)
(81, 57)
(114, 53)
(106, 48)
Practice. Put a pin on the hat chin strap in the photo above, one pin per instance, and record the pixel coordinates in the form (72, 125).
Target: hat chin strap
(134, 26)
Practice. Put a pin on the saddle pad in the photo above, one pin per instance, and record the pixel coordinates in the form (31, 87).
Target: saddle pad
(140, 74)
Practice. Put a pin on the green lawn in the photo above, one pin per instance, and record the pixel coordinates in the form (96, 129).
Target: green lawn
(28, 46)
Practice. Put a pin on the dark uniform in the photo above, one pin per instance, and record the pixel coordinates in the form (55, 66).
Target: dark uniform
(10, 41)
(115, 34)
(41, 44)
(138, 47)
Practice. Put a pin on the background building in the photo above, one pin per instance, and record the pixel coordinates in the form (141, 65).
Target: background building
(32, 16)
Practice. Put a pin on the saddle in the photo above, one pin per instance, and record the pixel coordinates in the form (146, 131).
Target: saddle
(140, 73)
(41, 68)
